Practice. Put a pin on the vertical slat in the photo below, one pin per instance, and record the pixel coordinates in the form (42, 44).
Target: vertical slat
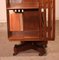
(7, 13)
(45, 23)
(8, 24)
(49, 20)
(41, 31)
(40, 23)
(53, 19)
(40, 20)
(44, 20)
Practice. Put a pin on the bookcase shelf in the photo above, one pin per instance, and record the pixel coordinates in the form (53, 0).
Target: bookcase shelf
(23, 6)
(25, 35)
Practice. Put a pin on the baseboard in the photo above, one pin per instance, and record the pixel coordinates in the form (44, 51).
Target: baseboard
(3, 21)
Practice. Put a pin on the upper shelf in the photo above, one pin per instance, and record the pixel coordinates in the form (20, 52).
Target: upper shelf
(23, 6)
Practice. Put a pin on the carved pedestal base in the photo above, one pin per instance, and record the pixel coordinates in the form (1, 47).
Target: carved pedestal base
(38, 46)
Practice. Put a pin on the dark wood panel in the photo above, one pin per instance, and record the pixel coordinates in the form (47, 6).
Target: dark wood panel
(31, 20)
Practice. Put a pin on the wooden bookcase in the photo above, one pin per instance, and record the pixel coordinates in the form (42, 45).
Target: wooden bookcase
(31, 20)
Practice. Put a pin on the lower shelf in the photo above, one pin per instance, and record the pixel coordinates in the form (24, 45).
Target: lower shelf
(25, 36)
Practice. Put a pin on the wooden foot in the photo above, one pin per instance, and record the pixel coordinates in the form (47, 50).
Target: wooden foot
(41, 50)
(22, 47)
(38, 46)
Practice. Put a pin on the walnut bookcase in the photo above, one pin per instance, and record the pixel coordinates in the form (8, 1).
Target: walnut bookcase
(32, 22)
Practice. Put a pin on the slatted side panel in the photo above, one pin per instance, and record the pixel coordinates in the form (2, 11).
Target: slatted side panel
(51, 20)
(42, 15)
(47, 19)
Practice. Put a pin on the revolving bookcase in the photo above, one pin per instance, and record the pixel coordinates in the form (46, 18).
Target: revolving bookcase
(32, 22)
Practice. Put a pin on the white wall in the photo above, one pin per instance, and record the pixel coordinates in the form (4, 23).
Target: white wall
(57, 9)
(3, 10)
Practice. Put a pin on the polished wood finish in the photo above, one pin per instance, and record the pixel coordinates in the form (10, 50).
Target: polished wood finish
(32, 13)
(15, 22)
(32, 23)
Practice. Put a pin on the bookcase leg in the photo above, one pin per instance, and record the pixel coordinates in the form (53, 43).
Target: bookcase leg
(22, 47)
(41, 47)
(38, 46)
(41, 50)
